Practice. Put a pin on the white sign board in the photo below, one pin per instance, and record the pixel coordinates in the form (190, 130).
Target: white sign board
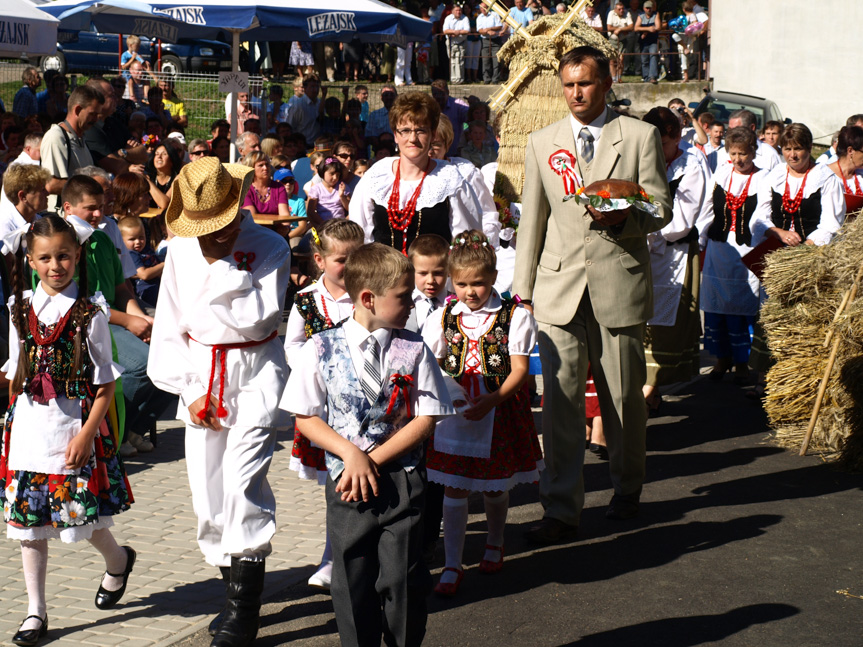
(233, 82)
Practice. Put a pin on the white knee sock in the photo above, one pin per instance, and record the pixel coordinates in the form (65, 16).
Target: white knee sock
(454, 528)
(327, 557)
(34, 556)
(496, 509)
(115, 557)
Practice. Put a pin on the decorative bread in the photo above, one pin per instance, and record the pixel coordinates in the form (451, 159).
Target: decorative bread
(614, 189)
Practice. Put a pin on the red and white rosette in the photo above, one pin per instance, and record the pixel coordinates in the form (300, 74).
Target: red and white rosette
(562, 162)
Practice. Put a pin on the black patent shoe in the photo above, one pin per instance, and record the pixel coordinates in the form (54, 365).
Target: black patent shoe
(31, 636)
(108, 599)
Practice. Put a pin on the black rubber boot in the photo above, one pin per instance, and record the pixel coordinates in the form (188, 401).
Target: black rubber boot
(242, 614)
(217, 621)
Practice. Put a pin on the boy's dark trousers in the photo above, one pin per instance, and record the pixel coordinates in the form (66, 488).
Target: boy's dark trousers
(380, 582)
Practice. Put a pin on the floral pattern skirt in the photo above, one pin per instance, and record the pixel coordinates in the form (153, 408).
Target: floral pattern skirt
(516, 456)
(36, 500)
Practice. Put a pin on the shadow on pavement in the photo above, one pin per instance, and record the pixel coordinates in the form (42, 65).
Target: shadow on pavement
(690, 630)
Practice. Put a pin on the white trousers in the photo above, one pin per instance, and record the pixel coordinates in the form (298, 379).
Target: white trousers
(232, 499)
(403, 64)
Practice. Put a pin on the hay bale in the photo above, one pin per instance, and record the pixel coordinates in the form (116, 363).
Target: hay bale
(805, 286)
(538, 100)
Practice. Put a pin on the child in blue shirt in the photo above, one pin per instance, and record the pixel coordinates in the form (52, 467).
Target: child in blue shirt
(148, 262)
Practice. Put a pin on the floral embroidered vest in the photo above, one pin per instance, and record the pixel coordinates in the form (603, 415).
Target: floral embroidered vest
(349, 412)
(56, 359)
(493, 347)
(313, 320)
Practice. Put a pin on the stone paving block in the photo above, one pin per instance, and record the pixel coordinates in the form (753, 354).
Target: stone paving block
(171, 590)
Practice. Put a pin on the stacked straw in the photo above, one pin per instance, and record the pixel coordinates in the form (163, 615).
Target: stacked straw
(538, 100)
(805, 287)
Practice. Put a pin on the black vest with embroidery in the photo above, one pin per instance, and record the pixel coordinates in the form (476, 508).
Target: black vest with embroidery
(805, 220)
(57, 358)
(721, 225)
(428, 220)
(493, 346)
(313, 320)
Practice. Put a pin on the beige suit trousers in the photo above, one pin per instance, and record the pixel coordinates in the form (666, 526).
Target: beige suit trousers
(616, 356)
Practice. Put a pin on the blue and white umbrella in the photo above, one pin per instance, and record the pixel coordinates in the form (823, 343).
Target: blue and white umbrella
(27, 30)
(282, 20)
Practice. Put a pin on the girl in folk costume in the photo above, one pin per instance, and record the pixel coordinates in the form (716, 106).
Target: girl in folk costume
(60, 472)
(671, 340)
(321, 306)
(849, 167)
(484, 342)
(400, 198)
(735, 218)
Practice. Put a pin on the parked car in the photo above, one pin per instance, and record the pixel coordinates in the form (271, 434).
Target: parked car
(93, 51)
(722, 104)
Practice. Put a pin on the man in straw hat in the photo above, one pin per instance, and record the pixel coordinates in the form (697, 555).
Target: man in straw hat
(214, 344)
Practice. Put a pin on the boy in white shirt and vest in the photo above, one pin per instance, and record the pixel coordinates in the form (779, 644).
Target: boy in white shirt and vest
(369, 392)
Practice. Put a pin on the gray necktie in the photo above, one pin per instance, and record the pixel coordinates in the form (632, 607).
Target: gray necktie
(586, 145)
(371, 380)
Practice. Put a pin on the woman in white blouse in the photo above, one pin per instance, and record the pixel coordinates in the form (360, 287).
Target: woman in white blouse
(400, 198)
(671, 340)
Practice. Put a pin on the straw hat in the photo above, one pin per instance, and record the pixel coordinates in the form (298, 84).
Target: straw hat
(207, 197)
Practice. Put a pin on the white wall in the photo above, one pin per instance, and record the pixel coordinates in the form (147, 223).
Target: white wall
(804, 55)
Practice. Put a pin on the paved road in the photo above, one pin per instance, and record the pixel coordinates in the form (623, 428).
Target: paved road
(739, 543)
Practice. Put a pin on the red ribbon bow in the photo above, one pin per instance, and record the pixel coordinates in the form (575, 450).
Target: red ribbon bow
(244, 260)
(403, 384)
(562, 162)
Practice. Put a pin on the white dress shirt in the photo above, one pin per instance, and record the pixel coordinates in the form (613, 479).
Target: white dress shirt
(306, 393)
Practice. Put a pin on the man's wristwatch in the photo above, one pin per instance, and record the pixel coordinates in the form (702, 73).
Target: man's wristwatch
(122, 153)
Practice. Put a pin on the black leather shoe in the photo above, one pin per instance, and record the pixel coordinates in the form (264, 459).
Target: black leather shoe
(600, 451)
(31, 636)
(551, 531)
(622, 508)
(216, 622)
(107, 599)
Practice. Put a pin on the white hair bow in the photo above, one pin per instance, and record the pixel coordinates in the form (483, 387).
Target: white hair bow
(12, 241)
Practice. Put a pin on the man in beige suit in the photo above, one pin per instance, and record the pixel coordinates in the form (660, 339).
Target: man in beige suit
(587, 275)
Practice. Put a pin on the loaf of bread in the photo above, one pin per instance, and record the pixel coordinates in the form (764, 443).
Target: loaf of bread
(614, 188)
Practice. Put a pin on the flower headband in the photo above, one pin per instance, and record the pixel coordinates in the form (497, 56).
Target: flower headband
(473, 241)
(330, 160)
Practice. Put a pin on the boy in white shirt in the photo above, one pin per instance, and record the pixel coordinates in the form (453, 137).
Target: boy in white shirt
(369, 393)
(428, 255)
(215, 344)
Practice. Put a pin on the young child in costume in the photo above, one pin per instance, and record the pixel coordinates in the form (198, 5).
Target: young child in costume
(60, 472)
(369, 393)
(215, 344)
(484, 342)
(318, 307)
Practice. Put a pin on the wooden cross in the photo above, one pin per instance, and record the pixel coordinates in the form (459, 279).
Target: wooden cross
(507, 91)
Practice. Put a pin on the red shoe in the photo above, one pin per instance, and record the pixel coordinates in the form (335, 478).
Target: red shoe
(487, 566)
(448, 590)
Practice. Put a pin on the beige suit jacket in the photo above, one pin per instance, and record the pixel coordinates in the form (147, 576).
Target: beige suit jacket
(562, 252)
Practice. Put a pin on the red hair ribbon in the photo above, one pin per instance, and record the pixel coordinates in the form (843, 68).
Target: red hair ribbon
(244, 260)
(218, 353)
(403, 385)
